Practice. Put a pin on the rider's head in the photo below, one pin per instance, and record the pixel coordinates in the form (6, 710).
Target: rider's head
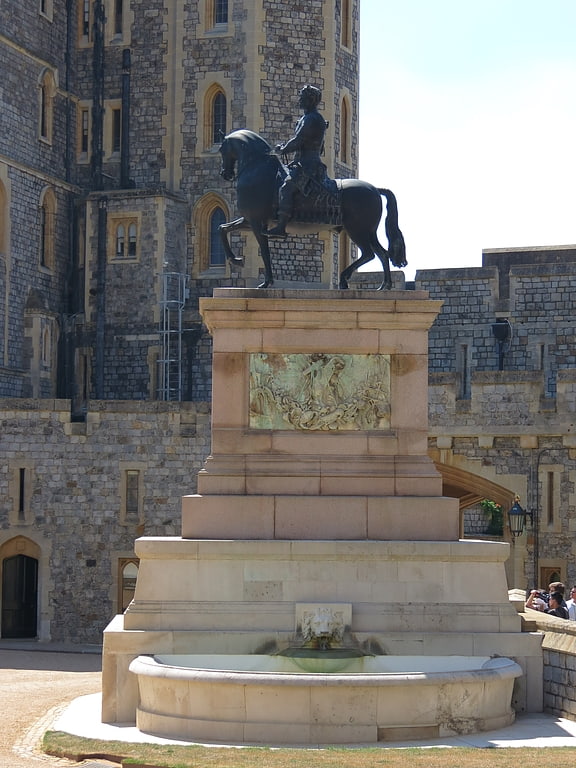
(310, 97)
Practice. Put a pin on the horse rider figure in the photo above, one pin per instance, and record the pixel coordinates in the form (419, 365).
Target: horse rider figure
(306, 169)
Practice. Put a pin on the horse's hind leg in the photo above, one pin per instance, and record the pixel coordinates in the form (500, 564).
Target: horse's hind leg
(223, 229)
(382, 254)
(366, 255)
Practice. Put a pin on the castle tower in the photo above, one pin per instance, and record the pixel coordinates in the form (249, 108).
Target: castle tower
(111, 198)
(165, 87)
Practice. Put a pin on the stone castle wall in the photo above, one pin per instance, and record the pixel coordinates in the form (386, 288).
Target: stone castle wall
(559, 657)
(73, 506)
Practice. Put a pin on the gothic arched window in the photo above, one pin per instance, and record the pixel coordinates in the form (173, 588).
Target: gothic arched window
(345, 131)
(47, 215)
(217, 255)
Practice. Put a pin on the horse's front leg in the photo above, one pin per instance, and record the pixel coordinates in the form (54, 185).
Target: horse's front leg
(223, 229)
(257, 227)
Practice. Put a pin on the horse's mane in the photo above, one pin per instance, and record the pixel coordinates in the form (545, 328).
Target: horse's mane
(253, 142)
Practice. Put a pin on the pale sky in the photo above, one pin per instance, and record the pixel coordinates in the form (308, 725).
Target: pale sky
(468, 113)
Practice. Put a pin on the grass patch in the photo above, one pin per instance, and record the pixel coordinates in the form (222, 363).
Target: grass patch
(169, 756)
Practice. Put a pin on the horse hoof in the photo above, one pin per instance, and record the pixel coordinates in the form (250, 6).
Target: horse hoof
(266, 284)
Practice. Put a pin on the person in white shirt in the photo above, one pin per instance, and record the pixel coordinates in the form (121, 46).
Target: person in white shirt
(571, 604)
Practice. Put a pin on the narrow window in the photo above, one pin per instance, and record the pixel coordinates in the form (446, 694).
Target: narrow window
(44, 111)
(132, 491)
(132, 241)
(127, 581)
(116, 129)
(465, 371)
(120, 238)
(46, 348)
(550, 498)
(46, 103)
(43, 236)
(220, 11)
(84, 127)
(47, 214)
(118, 17)
(344, 132)
(86, 18)
(217, 255)
(346, 24)
(47, 228)
(218, 118)
(46, 9)
(21, 494)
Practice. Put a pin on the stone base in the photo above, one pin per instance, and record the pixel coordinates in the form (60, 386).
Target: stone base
(338, 518)
(200, 596)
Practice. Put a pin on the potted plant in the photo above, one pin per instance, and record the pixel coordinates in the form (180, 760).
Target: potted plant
(493, 512)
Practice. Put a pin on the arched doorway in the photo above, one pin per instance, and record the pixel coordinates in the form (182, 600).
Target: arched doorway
(19, 615)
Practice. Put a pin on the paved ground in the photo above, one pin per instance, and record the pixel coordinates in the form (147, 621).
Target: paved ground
(35, 686)
(43, 689)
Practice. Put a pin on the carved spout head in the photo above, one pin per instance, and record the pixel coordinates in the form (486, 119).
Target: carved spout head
(322, 627)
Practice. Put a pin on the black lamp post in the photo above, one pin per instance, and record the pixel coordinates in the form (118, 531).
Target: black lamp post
(517, 518)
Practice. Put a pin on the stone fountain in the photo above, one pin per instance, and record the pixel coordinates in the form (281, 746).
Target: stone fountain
(319, 524)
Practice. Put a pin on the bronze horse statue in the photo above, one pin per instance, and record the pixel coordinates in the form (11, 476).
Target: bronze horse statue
(259, 174)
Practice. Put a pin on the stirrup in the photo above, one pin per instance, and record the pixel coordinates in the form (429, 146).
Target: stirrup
(278, 232)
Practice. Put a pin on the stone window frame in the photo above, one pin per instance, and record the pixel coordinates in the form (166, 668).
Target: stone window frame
(112, 107)
(85, 22)
(215, 92)
(84, 110)
(47, 86)
(208, 88)
(550, 480)
(46, 346)
(122, 563)
(111, 36)
(346, 24)
(129, 517)
(126, 220)
(21, 483)
(208, 25)
(345, 130)
(47, 212)
(46, 9)
(202, 218)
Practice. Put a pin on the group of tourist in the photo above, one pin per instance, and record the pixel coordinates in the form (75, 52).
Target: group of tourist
(553, 602)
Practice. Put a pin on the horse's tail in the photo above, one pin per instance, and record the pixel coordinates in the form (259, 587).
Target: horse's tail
(396, 245)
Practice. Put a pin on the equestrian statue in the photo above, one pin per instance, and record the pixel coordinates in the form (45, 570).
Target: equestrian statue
(300, 194)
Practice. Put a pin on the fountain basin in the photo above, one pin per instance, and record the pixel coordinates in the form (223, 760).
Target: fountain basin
(268, 700)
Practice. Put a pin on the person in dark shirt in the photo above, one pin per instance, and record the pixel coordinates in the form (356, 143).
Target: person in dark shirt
(555, 607)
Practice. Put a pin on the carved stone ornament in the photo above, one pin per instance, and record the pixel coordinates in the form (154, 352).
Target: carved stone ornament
(323, 622)
(319, 391)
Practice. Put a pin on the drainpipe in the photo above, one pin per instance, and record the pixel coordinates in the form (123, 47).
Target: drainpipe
(125, 125)
(100, 297)
(97, 156)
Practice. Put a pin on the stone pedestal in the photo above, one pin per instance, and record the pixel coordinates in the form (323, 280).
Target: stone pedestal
(318, 490)
(320, 420)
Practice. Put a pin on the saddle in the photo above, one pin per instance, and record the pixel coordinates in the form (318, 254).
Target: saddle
(317, 202)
